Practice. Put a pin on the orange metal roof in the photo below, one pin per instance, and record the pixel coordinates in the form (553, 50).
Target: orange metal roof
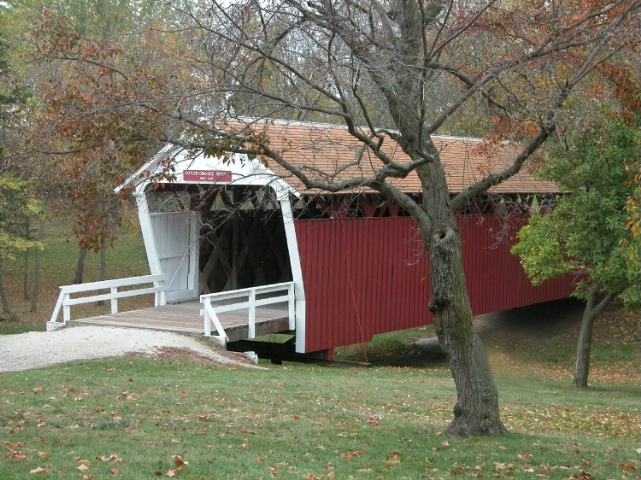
(330, 153)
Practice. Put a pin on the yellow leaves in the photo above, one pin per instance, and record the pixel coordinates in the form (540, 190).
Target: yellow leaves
(111, 458)
(39, 470)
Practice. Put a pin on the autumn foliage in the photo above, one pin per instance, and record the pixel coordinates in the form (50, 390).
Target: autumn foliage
(87, 125)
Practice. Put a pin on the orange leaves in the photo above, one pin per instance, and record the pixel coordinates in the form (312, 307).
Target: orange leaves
(349, 456)
(16, 455)
(179, 464)
(395, 457)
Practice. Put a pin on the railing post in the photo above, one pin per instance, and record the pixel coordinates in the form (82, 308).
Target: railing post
(114, 300)
(207, 318)
(66, 309)
(291, 306)
(252, 313)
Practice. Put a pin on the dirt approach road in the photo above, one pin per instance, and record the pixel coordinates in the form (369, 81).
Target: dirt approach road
(41, 349)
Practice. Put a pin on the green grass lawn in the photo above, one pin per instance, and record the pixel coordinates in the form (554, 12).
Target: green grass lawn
(130, 417)
(141, 418)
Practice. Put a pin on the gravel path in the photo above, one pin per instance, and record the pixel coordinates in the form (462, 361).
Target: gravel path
(40, 349)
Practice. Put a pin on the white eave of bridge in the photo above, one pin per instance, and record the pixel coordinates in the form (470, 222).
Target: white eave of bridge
(177, 165)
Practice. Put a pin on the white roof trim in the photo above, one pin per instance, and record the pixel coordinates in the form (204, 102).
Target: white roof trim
(233, 169)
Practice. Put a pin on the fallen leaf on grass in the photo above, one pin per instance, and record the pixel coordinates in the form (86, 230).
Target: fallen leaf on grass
(39, 470)
(373, 421)
(581, 476)
(395, 458)
(347, 456)
(170, 473)
(17, 455)
(179, 462)
(111, 458)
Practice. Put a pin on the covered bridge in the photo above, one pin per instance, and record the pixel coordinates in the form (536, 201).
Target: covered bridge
(346, 266)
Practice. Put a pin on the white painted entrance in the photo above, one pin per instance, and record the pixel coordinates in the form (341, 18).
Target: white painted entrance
(176, 239)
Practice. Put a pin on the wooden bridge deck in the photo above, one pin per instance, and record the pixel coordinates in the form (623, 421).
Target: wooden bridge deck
(185, 318)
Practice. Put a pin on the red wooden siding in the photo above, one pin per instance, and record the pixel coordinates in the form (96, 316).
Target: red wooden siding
(367, 276)
(495, 279)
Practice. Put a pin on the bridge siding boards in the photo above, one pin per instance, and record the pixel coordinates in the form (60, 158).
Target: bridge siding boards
(365, 276)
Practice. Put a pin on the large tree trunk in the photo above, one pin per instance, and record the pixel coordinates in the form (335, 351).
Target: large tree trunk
(477, 409)
(477, 404)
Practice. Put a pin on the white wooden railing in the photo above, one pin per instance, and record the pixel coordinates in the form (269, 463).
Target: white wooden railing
(246, 298)
(65, 302)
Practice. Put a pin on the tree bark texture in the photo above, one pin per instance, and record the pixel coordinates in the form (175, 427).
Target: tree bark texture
(584, 349)
(476, 411)
(80, 267)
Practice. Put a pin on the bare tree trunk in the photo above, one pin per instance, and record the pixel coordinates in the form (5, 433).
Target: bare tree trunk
(3, 293)
(584, 344)
(36, 272)
(80, 267)
(103, 270)
(25, 276)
